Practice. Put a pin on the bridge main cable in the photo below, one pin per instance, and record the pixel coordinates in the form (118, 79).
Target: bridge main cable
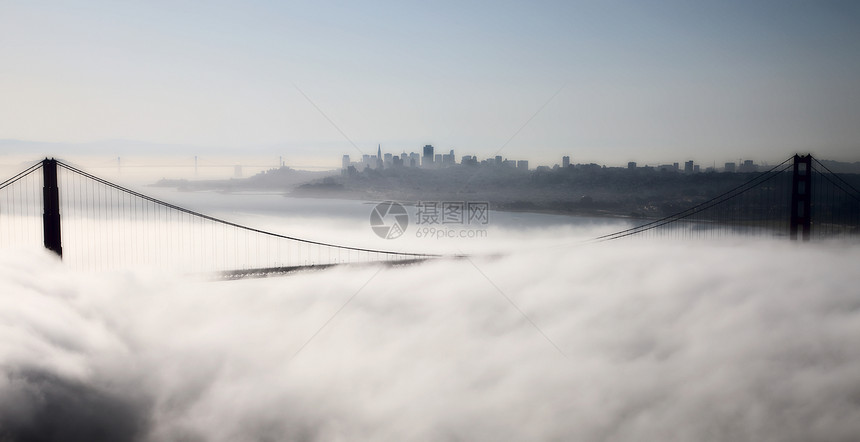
(725, 196)
(232, 224)
(20, 175)
(855, 194)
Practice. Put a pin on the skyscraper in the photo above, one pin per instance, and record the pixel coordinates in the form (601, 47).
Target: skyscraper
(427, 160)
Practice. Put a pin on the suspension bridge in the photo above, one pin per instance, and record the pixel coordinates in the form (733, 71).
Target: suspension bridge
(95, 224)
(799, 198)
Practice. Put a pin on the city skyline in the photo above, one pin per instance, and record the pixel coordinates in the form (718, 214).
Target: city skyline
(173, 155)
(429, 158)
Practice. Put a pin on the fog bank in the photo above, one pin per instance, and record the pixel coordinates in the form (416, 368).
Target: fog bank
(623, 341)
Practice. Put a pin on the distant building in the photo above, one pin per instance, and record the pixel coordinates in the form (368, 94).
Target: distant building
(388, 160)
(499, 161)
(379, 165)
(427, 159)
(688, 167)
(565, 161)
(747, 167)
(695, 168)
(345, 162)
(631, 165)
(523, 165)
(414, 159)
(448, 159)
(730, 167)
(437, 159)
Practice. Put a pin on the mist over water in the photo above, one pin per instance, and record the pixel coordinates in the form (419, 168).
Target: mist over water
(621, 341)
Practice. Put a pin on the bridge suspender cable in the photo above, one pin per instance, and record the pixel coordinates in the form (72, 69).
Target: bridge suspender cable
(232, 224)
(834, 205)
(758, 180)
(855, 194)
(20, 175)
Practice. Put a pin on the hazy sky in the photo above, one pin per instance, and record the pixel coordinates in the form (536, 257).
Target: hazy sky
(600, 81)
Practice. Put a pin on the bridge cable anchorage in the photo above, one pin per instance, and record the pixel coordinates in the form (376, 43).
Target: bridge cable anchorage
(192, 213)
(728, 195)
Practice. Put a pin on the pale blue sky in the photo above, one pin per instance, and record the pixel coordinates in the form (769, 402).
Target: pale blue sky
(645, 81)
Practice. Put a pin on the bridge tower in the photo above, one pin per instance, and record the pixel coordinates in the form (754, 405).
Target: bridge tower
(51, 203)
(801, 197)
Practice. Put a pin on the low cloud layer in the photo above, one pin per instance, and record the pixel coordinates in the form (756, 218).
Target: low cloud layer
(624, 341)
